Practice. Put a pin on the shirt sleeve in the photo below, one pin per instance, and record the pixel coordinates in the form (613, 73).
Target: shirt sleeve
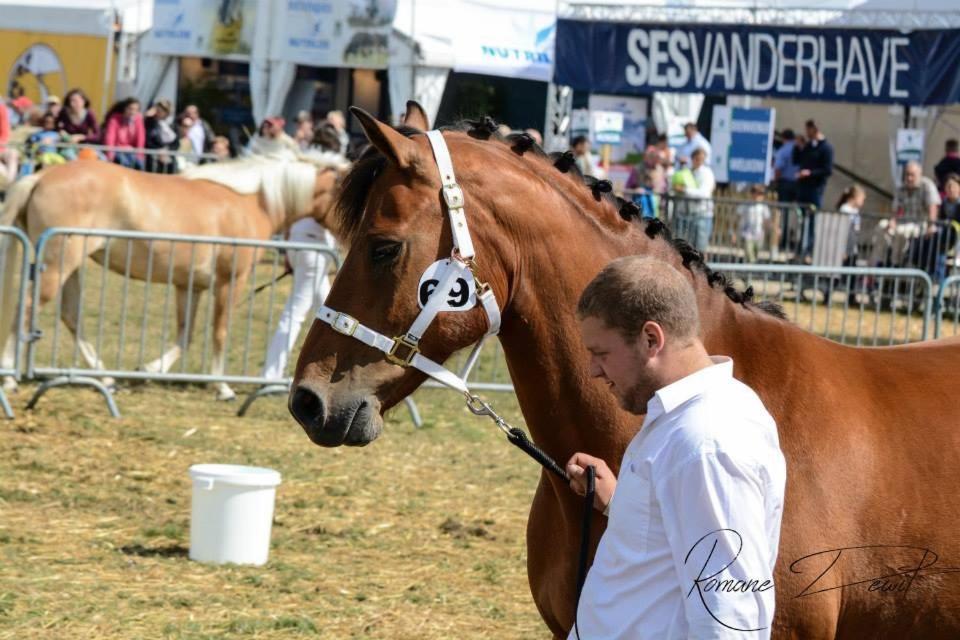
(713, 509)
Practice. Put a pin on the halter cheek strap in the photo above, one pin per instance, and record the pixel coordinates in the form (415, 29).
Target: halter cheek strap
(404, 350)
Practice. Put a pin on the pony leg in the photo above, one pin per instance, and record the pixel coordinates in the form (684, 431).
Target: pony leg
(184, 334)
(72, 298)
(221, 316)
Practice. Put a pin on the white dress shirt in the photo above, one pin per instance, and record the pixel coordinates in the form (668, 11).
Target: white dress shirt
(706, 459)
(696, 142)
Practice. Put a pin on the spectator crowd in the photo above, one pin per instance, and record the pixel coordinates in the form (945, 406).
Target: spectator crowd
(33, 136)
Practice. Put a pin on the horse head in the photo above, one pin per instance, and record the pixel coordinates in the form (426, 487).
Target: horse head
(391, 210)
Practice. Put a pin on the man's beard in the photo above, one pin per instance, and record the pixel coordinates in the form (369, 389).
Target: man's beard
(634, 399)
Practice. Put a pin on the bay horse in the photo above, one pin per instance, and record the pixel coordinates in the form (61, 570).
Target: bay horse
(249, 199)
(869, 537)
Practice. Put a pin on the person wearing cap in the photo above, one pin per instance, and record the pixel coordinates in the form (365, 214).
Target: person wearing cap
(160, 135)
(272, 142)
(76, 119)
(53, 105)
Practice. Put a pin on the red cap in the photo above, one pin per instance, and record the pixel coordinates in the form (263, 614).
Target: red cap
(276, 121)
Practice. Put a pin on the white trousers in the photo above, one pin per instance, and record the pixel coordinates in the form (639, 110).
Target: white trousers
(310, 288)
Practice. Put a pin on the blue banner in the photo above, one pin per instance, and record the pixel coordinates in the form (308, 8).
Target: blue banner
(849, 65)
(742, 141)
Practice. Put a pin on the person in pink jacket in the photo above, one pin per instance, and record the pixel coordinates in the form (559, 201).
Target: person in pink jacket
(124, 128)
(8, 156)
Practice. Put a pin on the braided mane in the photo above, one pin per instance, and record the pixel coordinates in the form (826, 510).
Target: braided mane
(352, 199)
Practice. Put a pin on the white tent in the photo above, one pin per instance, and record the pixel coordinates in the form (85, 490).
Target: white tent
(82, 17)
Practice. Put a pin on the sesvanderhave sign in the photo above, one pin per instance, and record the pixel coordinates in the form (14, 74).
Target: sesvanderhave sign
(850, 65)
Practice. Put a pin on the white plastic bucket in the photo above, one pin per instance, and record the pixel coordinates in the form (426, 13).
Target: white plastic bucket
(231, 513)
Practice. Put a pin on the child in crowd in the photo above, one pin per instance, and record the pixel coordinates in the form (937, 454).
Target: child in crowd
(43, 144)
(851, 202)
(754, 217)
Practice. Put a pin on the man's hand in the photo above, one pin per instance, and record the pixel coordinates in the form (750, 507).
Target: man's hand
(606, 482)
(803, 173)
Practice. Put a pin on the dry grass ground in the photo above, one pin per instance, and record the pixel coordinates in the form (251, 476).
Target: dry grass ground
(420, 535)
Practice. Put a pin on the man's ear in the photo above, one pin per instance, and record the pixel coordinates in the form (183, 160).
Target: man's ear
(396, 147)
(652, 336)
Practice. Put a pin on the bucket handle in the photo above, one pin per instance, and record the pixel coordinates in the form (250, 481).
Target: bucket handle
(204, 483)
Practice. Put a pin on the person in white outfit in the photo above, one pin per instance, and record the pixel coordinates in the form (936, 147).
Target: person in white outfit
(694, 513)
(311, 285)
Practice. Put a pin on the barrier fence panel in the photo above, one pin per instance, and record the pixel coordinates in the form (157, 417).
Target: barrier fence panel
(947, 308)
(32, 156)
(15, 256)
(785, 236)
(164, 307)
(852, 305)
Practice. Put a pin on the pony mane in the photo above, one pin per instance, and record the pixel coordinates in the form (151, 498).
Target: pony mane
(287, 187)
(352, 200)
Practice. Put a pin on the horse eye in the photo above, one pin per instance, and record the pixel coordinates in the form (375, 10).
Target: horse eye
(385, 252)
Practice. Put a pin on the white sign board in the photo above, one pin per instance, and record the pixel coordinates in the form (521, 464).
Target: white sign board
(909, 148)
(607, 126)
(203, 28)
(633, 138)
(509, 41)
(334, 33)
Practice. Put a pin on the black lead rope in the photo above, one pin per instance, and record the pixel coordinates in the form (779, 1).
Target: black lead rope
(518, 438)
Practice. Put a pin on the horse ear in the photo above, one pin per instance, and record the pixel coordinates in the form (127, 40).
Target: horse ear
(399, 149)
(416, 117)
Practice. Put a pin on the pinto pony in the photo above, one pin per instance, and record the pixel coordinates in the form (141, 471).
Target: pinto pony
(870, 436)
(251, 199)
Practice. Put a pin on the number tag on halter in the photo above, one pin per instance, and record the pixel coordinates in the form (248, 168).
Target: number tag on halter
(462, 296)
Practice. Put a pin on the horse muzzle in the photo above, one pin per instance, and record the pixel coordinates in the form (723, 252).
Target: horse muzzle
(353, 421)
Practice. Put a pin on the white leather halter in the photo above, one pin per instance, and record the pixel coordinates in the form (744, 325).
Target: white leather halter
(404, 350)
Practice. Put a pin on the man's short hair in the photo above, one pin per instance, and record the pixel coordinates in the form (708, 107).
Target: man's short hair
(578, 141)
(690, 125)
(788, 134)
(634, 290)
(699, 151)
(952, 145)
(810, 124)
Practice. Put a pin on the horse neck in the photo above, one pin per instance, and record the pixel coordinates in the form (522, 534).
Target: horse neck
(564, 409)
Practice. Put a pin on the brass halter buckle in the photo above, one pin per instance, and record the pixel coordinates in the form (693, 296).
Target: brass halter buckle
(403, 359)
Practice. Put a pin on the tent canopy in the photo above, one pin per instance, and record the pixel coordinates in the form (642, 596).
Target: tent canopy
(75, 17)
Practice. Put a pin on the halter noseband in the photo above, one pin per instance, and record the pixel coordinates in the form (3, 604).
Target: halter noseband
(404, 349)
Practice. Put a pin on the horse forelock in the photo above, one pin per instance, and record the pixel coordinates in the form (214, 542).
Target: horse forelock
(357, 184)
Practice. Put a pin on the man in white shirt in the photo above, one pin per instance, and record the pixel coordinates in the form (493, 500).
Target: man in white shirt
(695, 140)
(694, 514)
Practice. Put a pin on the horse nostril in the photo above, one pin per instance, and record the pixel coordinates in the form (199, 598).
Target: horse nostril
(307, 407)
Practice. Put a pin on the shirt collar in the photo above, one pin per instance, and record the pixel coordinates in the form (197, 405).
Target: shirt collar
(674, 394)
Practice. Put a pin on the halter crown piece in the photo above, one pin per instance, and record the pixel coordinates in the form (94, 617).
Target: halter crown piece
(404, 350)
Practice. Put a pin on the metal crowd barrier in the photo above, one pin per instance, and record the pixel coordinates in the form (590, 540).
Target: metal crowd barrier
(787, 235)
(125, 319)
(947, 307)
(851, 305)
(156, 160)
(796, 234)
(13, 240)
